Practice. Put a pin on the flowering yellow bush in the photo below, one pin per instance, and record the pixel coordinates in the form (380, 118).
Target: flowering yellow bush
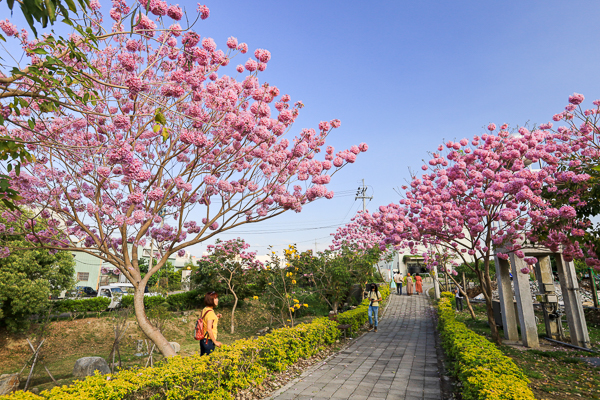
(218, 376)
(485, 372)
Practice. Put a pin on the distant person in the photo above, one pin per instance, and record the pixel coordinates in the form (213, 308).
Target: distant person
(409, 285)
(418, 284)
(398, 279)
(211, 321)
(374, 299)
(459, 299)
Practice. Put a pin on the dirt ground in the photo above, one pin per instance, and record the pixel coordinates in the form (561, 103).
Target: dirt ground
(67, 341)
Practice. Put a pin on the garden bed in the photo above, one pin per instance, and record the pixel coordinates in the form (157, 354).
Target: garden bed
(556, 372)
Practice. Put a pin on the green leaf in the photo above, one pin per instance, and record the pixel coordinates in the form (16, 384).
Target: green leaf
(71, 5)
(160, 118)
(38, 51)
(31, 123)
(51, 9)
(165, 134)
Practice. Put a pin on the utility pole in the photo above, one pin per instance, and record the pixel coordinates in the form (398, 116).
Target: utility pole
(361, 193)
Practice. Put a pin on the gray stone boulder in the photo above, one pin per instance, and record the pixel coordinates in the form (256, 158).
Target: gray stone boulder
(175, 346)
(87, 365)
(8, 383)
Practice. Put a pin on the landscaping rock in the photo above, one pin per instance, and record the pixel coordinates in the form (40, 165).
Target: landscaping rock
(8, 383)
(175, 346)
(87, 365)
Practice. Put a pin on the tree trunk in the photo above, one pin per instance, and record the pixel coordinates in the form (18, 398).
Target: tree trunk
(149, 330)
(487, 289)
(335, 306)
(233, 311)
(464, 293)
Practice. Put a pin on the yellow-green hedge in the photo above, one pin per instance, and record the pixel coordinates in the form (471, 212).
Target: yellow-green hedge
(485, 372)
(359, 316)
(218, 376)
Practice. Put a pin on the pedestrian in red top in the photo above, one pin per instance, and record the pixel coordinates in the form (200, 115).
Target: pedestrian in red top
(418, 284)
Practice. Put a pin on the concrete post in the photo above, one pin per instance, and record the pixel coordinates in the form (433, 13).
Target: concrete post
(543, 272)
(529, 333)
(573, 307)
(436, 283)
(509, 320)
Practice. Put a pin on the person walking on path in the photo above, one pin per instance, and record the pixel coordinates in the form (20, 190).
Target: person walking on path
(397, 364)
(374, 299)
(459, 299)
(210, 320)
(398, 280)
(418, 284)
(409, 285)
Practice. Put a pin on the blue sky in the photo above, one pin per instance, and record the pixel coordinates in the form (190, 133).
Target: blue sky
(404, 76)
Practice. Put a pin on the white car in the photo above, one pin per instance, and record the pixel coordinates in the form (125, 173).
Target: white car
(114, 293)
(128, 288)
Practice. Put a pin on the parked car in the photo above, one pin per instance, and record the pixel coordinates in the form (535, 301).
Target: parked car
(114, 293)
(128, 288)
(86, 291)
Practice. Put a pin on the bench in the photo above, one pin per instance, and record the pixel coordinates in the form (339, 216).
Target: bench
(343, 327)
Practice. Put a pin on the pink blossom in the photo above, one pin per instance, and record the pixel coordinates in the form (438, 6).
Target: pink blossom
(175, 12)
(209, 44)
(262, 55)
(8, 28)
(203, 10)
(251, 65)
(232, 42)
(491, 127)
(576, 98)
(567, 212)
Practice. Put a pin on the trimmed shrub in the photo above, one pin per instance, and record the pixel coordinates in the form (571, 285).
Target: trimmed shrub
(93, 304)
(185, 301)
(218, 376)
(150, 302)
(485, 372)
(450, 296)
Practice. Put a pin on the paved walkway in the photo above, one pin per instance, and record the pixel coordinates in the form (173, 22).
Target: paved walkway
(398, 362)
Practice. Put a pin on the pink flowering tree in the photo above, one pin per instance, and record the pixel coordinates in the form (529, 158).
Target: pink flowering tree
(481, 196)
(169, 151)
(577, 183)
(232, 264)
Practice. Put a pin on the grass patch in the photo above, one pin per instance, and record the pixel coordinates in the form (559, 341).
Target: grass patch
(68, 341)
(556, 373)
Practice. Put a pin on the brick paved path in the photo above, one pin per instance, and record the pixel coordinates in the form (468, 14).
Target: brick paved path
(398, 362)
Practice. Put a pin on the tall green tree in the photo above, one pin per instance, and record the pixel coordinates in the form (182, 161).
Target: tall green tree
(28, 278)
